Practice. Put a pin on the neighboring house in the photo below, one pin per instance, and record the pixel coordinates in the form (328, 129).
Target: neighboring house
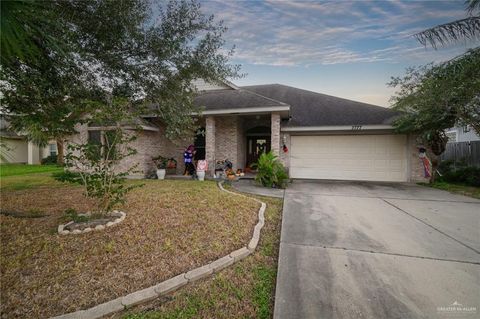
(17, 149)
(462, 134)
(316, 136)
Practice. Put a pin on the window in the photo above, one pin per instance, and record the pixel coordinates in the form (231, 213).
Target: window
(95, 141)
(466, 129)
(452, 136)
(100, 142)
(52, 148)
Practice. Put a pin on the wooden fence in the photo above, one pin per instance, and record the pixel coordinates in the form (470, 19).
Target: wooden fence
(463, 153)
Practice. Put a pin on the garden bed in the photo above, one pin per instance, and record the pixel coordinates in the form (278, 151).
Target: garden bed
(172, 227)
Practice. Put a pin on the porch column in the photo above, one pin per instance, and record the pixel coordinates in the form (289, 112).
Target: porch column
(33, 153)
(210, 144)
(275, 135)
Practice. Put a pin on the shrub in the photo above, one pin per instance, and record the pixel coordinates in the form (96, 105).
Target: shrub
(51, 159)
(445, 166)
(71, 214)
(270, 171)
(97, 165)
(464, 175)
(160, 162)
(68, 176)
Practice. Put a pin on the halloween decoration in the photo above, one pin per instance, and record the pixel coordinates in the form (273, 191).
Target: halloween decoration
(426, 162)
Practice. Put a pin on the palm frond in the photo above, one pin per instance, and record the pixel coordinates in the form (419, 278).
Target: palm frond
(464, 29)
(472, 6)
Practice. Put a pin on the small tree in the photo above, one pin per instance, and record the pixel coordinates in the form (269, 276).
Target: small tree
(97, 164)
(433, 98)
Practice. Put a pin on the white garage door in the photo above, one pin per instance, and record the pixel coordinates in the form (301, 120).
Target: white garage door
(349, 157)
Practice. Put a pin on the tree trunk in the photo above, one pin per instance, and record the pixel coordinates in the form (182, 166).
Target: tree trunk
(434, 161)
(60, 160)
(438, 144)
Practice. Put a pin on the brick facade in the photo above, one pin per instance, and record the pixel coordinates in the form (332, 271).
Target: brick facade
(229, 140)
(148, 144)
(415, 165)
(226, 138)
(275, 133)
(241, 144)
(285, 156)
(210, 143)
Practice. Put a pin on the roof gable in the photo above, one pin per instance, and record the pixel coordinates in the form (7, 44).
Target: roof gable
(202, 85)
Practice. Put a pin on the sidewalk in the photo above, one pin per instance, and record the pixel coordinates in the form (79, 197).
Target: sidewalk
(249, 186)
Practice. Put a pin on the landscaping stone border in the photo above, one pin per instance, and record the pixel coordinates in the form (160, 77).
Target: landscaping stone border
(63, 231)
(176, 282)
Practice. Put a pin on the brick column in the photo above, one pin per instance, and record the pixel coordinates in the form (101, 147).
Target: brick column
(275, 126)
(210, 143)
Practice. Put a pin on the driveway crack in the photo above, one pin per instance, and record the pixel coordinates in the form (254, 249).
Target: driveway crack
(385, 253)
(433, 227)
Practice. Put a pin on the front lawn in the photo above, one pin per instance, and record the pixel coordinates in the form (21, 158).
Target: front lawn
(171, 227)
(244, 290)
(456, 188)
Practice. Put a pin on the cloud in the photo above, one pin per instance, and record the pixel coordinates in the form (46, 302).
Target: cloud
(303, 33)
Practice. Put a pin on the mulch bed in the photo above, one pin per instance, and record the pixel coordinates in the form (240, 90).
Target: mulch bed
(171, 227)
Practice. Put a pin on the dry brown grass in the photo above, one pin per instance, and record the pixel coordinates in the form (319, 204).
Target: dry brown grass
(171, 227)
(244, 290)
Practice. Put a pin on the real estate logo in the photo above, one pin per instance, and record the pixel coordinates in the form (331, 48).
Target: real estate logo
(456, 309)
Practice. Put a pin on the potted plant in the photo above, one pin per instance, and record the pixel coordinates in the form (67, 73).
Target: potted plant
(231, 174)
(171, 166)
(202, 166)
(161, 164)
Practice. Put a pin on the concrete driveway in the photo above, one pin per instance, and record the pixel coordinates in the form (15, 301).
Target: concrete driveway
(376, 250)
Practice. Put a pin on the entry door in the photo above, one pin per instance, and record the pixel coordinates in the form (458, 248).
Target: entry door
(256, 145)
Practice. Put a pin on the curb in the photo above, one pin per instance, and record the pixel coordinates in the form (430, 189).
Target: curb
(178, 281)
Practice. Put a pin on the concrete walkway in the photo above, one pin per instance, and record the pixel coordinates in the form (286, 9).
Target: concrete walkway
(371, 250)
(249, 186)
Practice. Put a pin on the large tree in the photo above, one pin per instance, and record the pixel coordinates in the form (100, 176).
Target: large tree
(436, 97)
(90, 48)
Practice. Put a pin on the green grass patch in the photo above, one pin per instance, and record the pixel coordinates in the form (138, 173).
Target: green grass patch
(21, 182)
(21, 176)
(265, 284)
(23, 169)
(456, 188)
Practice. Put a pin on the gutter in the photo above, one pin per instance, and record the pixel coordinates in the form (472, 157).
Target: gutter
(260, 109)
(336, 128)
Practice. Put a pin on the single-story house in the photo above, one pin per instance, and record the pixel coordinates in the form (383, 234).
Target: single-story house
(17, 149)
(316, 136)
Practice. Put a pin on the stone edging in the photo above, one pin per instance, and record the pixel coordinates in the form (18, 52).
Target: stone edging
(120, 219)
(176, 282)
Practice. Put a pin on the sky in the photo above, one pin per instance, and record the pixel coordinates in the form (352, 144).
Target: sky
(349, 49)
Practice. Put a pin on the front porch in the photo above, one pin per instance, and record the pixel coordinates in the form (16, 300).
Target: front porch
(240, 138)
